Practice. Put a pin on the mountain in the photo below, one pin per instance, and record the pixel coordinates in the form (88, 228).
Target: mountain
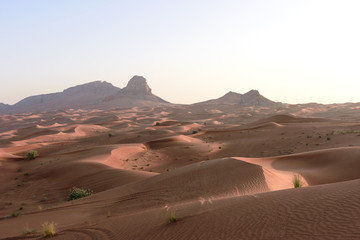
(251, 98)
(93, 95)
(3, 106)
(105, 96)
(80, 96)
(138, 91)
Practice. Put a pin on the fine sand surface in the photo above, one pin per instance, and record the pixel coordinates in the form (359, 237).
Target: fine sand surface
(224, 172)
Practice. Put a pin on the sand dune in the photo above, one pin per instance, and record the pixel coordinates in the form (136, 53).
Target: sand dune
(290, 119)
(225, 174)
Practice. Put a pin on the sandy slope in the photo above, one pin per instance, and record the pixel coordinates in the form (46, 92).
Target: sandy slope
(225, 173)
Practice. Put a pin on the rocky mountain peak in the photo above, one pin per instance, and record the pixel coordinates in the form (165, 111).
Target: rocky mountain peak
(137, 85)
(252, 93)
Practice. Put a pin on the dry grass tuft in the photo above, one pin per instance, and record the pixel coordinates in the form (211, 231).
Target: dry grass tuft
(49, 229)
(297, 181)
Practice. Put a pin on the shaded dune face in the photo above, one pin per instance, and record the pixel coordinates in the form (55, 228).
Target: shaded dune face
(324, 166)
(223, 172)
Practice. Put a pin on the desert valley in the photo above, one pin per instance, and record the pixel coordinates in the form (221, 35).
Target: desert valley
(225, 168)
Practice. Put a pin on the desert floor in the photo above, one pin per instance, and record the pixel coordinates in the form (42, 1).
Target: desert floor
(223, 172)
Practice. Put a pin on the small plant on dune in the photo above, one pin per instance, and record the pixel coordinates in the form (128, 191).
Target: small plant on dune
(76, 193)
(171, 218)
(15, 214)
(49, 229)
(297, 181)
(28, 230)
(157, 124)
(110, 135)
(32, 154)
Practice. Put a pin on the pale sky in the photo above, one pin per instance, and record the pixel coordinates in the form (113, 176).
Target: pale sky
(189, 51)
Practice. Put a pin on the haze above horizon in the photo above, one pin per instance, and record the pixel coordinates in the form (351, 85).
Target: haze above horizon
(189, 51)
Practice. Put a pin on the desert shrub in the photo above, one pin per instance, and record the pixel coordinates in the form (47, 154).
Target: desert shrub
(110, 135)
(171, 218)
(49, 229)
(194, 132)
(32, 154)
(76, 193)
(15, 214)
(157, 124)
(28, 230)
(297, 181)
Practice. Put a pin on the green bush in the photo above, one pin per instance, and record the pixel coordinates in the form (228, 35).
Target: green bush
(76, 193)
(32, 154)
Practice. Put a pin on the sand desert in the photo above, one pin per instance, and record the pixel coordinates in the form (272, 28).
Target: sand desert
(202, 171)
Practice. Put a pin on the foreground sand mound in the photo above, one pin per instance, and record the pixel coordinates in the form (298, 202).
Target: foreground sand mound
(199, 182)
(211, 179)
(323, 166)
(321, 212)
(56, 180)
(316, 167)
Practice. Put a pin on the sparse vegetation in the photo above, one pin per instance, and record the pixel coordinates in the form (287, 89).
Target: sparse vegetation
(110, 135)
(32, 154)
(76, 193)
(171, 218)
(15, 214)
(157, 124)
(297, 181)
(48, 229)
(28, 230)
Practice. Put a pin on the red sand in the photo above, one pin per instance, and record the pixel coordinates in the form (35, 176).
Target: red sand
(225, 173)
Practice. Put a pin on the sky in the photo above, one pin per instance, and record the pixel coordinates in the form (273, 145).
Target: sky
(189, 51)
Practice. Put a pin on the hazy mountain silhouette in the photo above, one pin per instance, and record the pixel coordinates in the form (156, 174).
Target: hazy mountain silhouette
(93, 95)
(103, 95)
(3, 106)
(251, 98)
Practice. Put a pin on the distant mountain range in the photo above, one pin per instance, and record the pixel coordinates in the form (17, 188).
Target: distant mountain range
(251, 98)
(103, 95)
